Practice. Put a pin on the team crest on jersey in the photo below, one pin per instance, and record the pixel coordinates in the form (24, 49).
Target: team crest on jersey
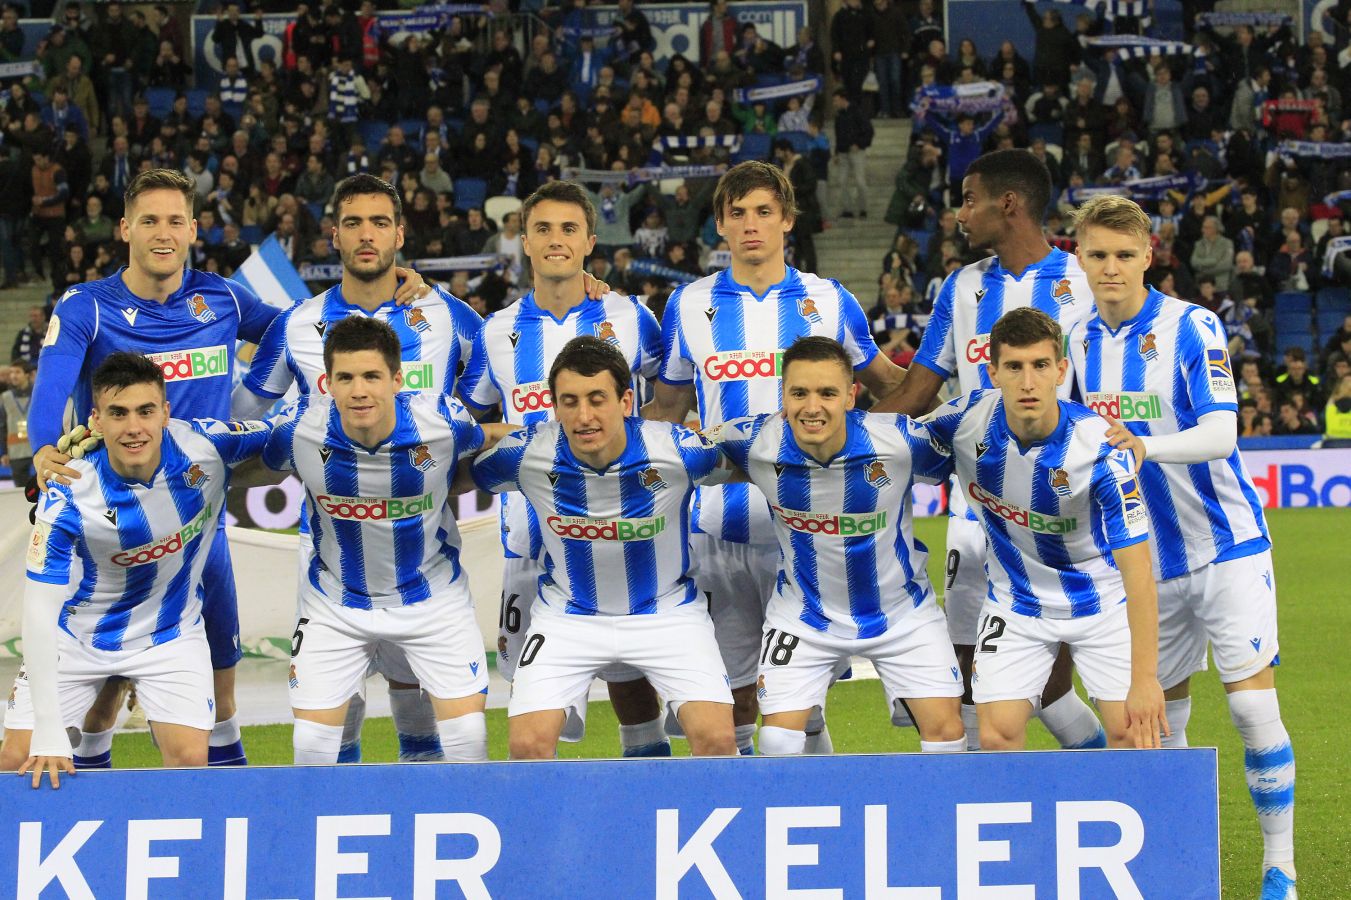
(514, 337)
(981, 448)
(195, 476)
(325, 453)
(37, 546)
(652, 479)
(416, 320)
(760, 690)
(421, 458)
(1060, 481)
(1148, 350)
(606, 332)
(295, 682)
(1061, 292)
(199, 310)
(876, 474)
(807, 308)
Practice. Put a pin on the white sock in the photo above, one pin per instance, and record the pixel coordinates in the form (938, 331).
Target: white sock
(957, 746)
(775, 741)
(224, 733)
(464, 738)
(818, 735)
(315, 744)
(415, 722)
(971, 722)
(95, 743)
(745, 739)
(1269, 762)
(1071, 721)
(1177, 712)
(644, 734)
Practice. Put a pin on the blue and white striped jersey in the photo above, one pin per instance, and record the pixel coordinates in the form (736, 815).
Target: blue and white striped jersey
(616, 541)
(191, 335)
(1158, 374)
(510, 367)
(1053, 511)
(728, 342)
(850, 564)
(383, 532)
(436, 333)
(956, 343)
(132, 553)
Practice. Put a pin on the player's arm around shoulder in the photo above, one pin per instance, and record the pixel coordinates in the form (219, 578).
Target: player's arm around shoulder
(704, 459)
(734, 439)
(930, 457)
(498, 469)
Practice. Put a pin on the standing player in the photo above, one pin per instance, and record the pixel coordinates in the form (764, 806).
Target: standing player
(614, 493)
(1004, 198)
(723, 337)
(510, 367)
(852, 582)
(115, 568)
(377, 466)
(1159, 369)
(436, 334)
(1068, 537)
(187, 321)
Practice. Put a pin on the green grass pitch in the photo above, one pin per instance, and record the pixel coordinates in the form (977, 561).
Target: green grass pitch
(1315, 619)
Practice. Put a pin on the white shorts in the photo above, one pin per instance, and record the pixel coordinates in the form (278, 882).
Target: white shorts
(675, 650)
(737, 580)
(1232, 605)
(1014, 654)
(520, 587)
(334, 646)
(173, 680)
(913, 658)
(965, 584)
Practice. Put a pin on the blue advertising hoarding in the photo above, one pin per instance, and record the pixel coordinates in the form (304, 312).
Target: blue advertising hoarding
(1076, 824)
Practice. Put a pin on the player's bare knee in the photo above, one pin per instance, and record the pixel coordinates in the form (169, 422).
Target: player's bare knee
(531, 746)
(946, 728)
(713, 742)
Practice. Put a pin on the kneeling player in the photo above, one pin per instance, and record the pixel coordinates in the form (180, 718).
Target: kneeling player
(613, 494)
(377, 466)
(1068, 534)
(135, 521)
(852, 581)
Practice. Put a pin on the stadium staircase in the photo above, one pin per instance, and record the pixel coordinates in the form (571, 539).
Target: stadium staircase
(851, 250)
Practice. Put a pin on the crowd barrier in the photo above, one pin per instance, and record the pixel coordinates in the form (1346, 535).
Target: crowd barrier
(1077, 824)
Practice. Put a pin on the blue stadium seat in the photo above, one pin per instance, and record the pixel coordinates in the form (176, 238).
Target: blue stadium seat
(1333, 298)
(412, 131)
(1293, 302)
(543, 106)
(529, 143)
(1301, 339)
(470, 192)
(161, 100)
(801, 140)
(753, 146)
(1049, 132)
(1287, 321)
(197, 101)
(316, 210)
(1329, 320)
(251, 234)
(456, 125)
(373, 133)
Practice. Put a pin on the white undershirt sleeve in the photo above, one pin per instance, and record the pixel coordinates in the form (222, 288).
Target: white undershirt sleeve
(1213, 437)
(41, 610)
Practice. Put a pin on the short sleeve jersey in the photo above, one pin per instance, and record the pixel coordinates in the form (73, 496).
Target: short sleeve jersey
(1053, 511)
(1159, 373)
(131, 553)
(851, 565)
(728, 342)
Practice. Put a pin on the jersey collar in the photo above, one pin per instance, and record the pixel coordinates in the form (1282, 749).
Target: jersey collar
(1055, 437)
(534, 309)
(853, 424)
(1150, 309)
(632, 445)
(338, 307)
(1046, 260)
(727, 282)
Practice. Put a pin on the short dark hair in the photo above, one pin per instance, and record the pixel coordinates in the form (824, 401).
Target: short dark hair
(752, 175)
(160, 179)
(816, 348)
(1018, 171)
(561, 192)
(365, 184)
(356, 333)
(123, 369)
(1024, 327)
(1296, 354)
(588, 356)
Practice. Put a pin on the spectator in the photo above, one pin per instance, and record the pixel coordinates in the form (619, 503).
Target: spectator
(1290, 422)
(1296, 377)
(1164, 109)
(28, 342)
(233, 36)
(718, 34)
(1291, 268)
(1213, 255)
(1337, 415)
(1056, 48)
(805, 58)
(853, 137)
(1083, 159)
(50, 191)
(14, 444)
(315, 184)
(892, 36)
(964, 144)
(807, 224)
(79, 89)
(94, 227)
(851, 45)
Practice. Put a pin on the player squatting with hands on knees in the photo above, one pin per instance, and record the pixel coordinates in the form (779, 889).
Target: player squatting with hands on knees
(613, 491)
(117, 531)
(853, 581)
(1159, 367)
(1048, 487)
(1004, 199)
(394, 577)
(722, 337)
(188, 321)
